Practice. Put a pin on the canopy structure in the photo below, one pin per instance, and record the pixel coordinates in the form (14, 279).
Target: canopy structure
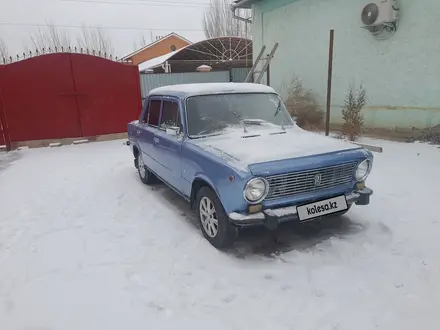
(245, 4)
(219, 53)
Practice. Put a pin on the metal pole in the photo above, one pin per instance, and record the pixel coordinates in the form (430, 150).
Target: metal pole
(329, 82)
(268, 75)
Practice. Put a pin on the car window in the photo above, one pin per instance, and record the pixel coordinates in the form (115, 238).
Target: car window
(215, 114)
(170, 115)
(144, 113)
(154, 112)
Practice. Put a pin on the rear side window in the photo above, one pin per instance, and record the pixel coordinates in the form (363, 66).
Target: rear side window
(170, 115)
(144, 113)
(153, 113)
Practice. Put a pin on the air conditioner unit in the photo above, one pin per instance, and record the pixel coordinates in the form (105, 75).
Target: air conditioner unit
(380, 12)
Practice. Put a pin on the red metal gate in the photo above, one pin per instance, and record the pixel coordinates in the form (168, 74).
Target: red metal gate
(65, 95)
(108, 94)
(3, 131)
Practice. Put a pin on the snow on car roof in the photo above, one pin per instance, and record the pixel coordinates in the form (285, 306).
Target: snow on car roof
(187, 90)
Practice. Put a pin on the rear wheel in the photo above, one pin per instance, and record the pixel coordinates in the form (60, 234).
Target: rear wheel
(144, 173)
(214, 222)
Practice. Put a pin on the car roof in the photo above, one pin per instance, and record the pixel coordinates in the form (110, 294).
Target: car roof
(187, 90)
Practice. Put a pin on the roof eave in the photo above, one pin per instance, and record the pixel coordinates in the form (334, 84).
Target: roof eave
(244, 4)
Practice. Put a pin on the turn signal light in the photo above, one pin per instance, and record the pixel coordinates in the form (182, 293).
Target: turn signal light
(254, 208)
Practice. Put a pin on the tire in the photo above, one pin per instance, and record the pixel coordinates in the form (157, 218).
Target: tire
(215, 226)
(144, 173)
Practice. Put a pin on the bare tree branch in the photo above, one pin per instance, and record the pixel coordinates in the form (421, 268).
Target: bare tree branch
(219, 21)
(96, 39)
(141, 43)
(50, 37)
(4, 54)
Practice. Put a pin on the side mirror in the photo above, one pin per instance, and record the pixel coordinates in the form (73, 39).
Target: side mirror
(174, 131)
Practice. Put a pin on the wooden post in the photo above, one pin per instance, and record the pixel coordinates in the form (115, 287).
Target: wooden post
(329, 82)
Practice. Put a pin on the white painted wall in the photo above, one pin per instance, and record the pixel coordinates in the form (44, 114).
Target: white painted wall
(401, 74)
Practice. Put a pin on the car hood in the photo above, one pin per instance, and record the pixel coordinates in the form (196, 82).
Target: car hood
(244, 151)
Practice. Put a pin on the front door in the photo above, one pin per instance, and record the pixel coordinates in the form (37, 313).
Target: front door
(168, 146)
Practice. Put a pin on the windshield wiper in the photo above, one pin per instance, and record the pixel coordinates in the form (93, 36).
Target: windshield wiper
(277, 111)
(241, 120)
(205, 136)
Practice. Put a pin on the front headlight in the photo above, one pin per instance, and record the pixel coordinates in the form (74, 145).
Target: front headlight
(363, 170)
(256, 190)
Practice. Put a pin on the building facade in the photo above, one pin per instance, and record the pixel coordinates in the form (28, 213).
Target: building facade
(401, 74)
(161, 46)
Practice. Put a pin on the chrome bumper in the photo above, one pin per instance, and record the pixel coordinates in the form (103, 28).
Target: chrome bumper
(272, 217)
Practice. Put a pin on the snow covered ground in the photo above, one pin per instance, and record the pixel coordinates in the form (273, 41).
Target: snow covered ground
(84, 245)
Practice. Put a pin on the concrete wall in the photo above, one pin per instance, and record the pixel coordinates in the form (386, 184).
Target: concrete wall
(401, 75)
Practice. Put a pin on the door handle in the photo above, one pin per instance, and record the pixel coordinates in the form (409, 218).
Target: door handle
(156, 140)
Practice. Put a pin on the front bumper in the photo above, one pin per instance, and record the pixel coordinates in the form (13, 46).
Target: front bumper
(270, 218)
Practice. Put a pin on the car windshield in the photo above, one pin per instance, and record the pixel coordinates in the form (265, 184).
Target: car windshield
(214, 114)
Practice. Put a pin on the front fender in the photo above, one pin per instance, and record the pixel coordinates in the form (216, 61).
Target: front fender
(229, 192)
(205, 178)
(225, 181)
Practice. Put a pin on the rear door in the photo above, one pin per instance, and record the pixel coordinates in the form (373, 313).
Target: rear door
(148, 126)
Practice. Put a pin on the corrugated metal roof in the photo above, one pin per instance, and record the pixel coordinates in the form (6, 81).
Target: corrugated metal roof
(155, 62)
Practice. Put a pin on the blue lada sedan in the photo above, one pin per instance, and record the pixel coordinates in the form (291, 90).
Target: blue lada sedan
(233, 152)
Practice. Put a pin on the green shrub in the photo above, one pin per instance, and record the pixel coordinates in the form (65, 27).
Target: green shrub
(352, 113)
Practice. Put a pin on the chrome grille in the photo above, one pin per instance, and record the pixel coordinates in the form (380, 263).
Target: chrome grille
(288, 184)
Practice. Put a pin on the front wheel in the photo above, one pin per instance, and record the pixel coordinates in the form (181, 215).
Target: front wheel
(144, 173)
(214, 222)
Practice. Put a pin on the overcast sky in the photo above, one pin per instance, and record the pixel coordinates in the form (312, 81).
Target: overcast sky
(125, 20)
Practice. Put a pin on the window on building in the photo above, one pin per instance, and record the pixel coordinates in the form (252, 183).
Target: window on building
(170, 115)
(153, 113)
(173, 48)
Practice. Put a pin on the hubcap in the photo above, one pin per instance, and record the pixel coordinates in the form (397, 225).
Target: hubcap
(208, 216)
(141, 166)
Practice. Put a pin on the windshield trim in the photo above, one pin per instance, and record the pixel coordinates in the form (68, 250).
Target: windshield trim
(195, 137)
